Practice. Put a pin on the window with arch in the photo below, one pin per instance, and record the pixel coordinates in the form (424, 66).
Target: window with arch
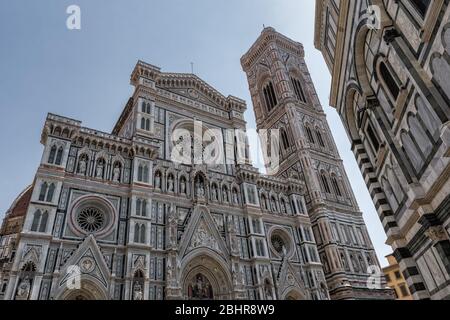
(309, 135)
(325, 184)
(39, 223)
(284, 139)
(270, 97)
(143, 173)
(320, 138)
(389, 80)
(298, 89)
(55, 155)
(47, 192)
(145, 124)
(141, 207)
(421, 6)
(139, 233)
(336, 187)
(373, 138)
(146, 107)
(43, 192)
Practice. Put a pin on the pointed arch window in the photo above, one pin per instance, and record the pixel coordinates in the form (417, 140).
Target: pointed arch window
(298, 89)
(320, 138)
(140, 173)
(59, 156)
(309, 135)
(36, 220)
(138, 207)
(50, 193)
(335, 184)
(137, 230)
(145, 173)
(43, 223)
(389, 80)
(284, 139)
(421, 6)
(144, 208)
(325, 183)
(52, 155)
(40, 220)
(142, 234)
(146, 107)
(270, 97)
(43, 193)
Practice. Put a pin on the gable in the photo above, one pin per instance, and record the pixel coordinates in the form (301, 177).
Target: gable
(89, 260)
(202, 232)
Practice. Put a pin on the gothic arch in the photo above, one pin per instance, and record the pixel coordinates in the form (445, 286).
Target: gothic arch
(351, 118)
(359, 42)
(203, 261)
(89, 289)
(292, 293)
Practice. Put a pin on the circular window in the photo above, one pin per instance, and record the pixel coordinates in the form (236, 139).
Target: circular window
(91, 219)
(278, 243)
(281, 242)
(92, 215)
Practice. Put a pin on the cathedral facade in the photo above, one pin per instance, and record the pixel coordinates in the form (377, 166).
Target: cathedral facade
(116, 216)
(390, 65)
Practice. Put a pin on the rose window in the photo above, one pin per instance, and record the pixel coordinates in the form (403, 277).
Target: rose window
(278, 243)
(91, 219)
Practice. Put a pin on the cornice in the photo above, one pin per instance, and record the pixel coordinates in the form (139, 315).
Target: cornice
(268, 36)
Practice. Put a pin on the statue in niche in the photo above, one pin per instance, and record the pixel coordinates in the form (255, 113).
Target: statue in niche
(170, 184)
(283, 207)
(82, 166)
(158, 180)
(183, 186)
(24, 288)
(324, 292)
(170, 271)
(214, 193)
(274, 205)
(235, 197)
(268, 291)
(200, 188)
(225, 195)
(233, 239)
(99, 170)
(137, 291)
(264, 203)
(116, 173)
(242, 274)
(173, 226)
(234, 276)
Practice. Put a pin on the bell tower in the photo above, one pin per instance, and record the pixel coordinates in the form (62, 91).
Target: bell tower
(284, 98)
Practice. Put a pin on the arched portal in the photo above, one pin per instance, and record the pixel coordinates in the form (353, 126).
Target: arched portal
(293, 294)
(85, 290)
(205, 277)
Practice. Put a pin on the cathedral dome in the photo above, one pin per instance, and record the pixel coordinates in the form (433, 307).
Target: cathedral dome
(20, 205)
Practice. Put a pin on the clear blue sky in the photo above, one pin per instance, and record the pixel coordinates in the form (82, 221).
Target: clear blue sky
(44, 67)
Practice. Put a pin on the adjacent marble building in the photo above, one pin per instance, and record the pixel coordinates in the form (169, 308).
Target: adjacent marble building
(111, 216)
(390, 66)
